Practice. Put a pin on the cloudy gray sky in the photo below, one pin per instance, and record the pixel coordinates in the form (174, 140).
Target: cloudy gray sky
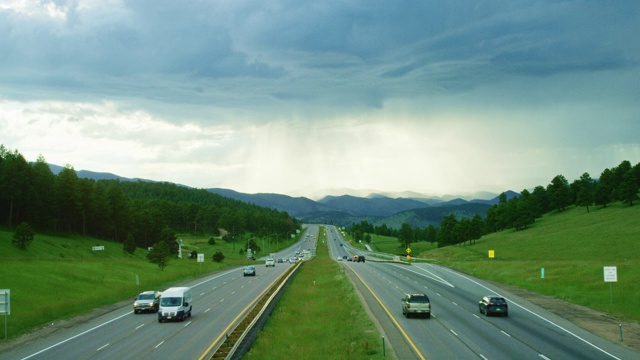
(297, 96)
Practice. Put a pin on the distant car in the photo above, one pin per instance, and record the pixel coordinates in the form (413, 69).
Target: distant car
(344, 257)
(249, 270)
(280, 261)
(416, 304)
(148, 301)
(360, 258)
(339, 258)
(493, 304)
(292, 260)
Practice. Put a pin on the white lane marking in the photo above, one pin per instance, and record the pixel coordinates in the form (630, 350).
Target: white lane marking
(221, 300)
(544, 357)
(502, 331)
(139, 326)
(206, 311)
(454, 333)
(536, 315)
(161, 342)
(201, 293)
(430, 276)
(454, 303)
(187, 324)
(75, 336)
(102, 347)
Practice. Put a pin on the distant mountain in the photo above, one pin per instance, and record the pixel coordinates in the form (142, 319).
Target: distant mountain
(378, 206)
(375, 207)
(86, 174)
(293, 206)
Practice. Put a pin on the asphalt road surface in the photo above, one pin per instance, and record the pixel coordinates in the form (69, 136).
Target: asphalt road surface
(456, 329)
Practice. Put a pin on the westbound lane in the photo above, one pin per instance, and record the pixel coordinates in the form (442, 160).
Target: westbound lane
(218, 302)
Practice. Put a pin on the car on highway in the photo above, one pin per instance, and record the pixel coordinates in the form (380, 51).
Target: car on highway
(493, 304)
(148, 301)
(416, 304)
(249, 270)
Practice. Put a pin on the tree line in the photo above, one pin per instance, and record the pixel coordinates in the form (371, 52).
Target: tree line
(618, 184)
(139, 212)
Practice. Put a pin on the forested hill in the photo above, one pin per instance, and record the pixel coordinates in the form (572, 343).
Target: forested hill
(117, 210)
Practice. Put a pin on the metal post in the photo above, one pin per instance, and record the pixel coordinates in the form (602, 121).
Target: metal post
(384, 353)
(621, 339)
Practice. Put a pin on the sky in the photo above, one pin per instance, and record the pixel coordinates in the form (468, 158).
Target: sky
(304, 98)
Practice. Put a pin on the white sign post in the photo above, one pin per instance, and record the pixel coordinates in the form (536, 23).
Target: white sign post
(610, 276)
(5, 307)
(200, 260)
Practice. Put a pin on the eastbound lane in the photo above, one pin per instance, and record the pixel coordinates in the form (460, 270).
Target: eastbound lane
(457, 329)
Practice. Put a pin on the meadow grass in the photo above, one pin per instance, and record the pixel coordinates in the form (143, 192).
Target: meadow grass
(573, 247)
(319, 316)
(59, 277)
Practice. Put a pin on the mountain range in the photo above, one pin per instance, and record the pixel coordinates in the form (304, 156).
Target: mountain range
(377, 208)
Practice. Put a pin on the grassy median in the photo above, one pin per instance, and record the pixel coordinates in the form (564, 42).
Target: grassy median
(319, 316)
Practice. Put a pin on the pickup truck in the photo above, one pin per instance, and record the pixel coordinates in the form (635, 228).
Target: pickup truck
(416, 304)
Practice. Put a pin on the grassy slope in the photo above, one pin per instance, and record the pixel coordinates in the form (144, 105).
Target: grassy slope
(59, 277)
(572, 247)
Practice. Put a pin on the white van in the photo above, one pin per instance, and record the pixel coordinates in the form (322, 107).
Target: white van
(175, 304)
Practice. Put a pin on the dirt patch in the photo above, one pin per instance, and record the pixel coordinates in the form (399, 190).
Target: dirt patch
(593, 321)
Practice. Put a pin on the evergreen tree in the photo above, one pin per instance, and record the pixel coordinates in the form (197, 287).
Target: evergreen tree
(23, 236)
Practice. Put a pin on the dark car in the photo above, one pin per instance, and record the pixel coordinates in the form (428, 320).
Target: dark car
(147, 301)
(492, 304)
(360, 258)
(249, 270)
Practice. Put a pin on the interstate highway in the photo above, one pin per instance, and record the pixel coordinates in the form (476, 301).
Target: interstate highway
(456, 329)
(218, 300)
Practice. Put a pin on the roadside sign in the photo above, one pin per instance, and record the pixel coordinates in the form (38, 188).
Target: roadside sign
(492, 254)
(5, 301)
(408, 250)
(610, 274)
(200, 257)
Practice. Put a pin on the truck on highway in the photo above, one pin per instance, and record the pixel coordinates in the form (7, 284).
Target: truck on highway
(175, 304)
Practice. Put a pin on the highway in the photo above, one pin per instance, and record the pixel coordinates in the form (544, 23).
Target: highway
(456, 329)
(218, 301)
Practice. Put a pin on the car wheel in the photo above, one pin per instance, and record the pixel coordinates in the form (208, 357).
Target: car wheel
(160, 320)
(135, 311)
(428, 315)
(480, 309)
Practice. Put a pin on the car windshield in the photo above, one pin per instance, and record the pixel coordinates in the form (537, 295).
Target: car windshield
(146, 297)
(170, 301)
(497, 300)
(419, 299)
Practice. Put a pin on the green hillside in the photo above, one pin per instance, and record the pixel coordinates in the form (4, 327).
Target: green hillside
(573, 247)
(57, 277)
